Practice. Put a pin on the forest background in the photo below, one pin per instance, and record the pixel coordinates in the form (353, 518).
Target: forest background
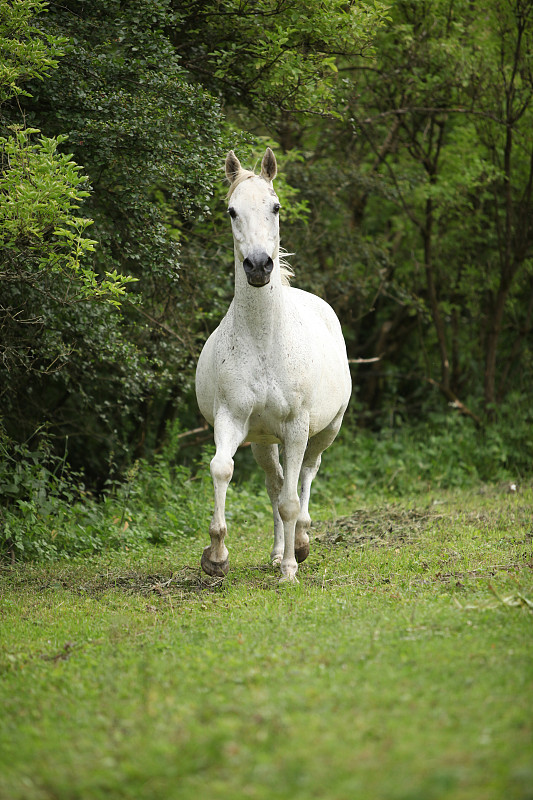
(404, 135)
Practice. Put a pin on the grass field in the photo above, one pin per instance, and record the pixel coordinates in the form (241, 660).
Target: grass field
(400, 667)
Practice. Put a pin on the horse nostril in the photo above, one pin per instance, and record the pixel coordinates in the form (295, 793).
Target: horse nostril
(260, 262)
(258, 268)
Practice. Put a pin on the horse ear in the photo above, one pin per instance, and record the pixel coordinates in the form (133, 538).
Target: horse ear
(233, 166)
(269, 167)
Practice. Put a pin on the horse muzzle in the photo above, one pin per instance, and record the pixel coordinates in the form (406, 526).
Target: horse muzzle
(258, 268)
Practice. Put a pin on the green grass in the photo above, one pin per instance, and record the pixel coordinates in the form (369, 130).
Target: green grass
(400, 668)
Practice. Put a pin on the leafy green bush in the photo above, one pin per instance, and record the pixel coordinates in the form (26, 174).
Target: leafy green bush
(26, 53)
(441, 451)
(47, 512)
(40, 190)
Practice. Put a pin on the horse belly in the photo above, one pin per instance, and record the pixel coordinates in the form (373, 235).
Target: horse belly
(323, 415)
(257, 437)
(331, 391)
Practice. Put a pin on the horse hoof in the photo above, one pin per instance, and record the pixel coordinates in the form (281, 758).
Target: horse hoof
(301, 552)
(217, 569)
(289, 569)
(276, 560)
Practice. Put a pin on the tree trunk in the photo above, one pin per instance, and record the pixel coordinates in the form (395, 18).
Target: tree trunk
(495, 327)
(433, 299)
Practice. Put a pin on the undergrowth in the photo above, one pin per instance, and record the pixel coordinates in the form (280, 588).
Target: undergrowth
(47, 511)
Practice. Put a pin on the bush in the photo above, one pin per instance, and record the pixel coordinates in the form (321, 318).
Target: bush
(441, 451)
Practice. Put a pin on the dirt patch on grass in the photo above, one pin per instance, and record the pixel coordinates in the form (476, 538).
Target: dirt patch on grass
(390, 525)
(187, 582)
(377, 527)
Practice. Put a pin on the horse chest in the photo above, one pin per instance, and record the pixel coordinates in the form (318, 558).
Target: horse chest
(255, 382)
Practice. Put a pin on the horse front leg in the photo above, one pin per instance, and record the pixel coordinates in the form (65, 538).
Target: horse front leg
(295, 442)
(228, 436)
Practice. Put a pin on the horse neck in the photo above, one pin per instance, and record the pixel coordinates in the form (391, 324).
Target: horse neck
(259, 311)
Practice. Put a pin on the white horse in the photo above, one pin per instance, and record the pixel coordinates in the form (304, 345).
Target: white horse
(274, 372)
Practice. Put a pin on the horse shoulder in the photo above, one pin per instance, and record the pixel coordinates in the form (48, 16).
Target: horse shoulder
(312, 306)
(207, 368)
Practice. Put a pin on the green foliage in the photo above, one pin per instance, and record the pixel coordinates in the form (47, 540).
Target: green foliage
(40, 191)
(46, 509)
(45, 254)
(149, 141)
(420, 200)
(275, 57)
(137, 124)
(58, 319)
(26, 52)
(49, 513)
(406, 458)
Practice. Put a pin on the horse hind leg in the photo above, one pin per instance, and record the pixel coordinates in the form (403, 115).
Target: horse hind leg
(310, 467)
(267, 456)
(295, 442)
(303, 523)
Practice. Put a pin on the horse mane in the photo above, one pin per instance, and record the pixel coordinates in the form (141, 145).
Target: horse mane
(241, 176)
(286, 270)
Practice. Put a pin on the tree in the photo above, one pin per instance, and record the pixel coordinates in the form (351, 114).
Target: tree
(26, 53)
(456, 91)
(506, 101)
(420, 198)
(149, 141)
(141, 114)
(405, 142)
(44, 250)
(273, 58)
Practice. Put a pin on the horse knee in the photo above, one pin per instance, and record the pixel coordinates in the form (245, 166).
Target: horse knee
(221, 468)
(217, 530)
(289, 510)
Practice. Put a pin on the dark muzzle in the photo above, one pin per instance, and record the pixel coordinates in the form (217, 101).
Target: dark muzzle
(258, 267)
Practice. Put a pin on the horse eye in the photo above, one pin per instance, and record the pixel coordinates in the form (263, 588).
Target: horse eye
(276, 208)
(232, 212)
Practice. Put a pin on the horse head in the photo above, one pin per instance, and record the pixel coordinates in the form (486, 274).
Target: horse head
(254, 212)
